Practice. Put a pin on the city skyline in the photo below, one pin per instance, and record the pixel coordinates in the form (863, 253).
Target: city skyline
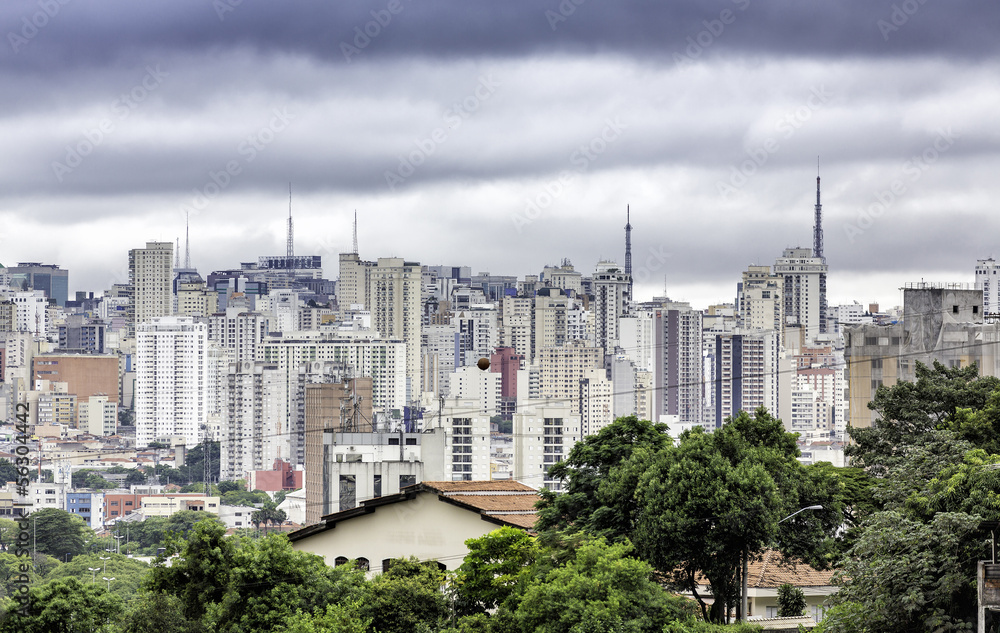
(534, 127)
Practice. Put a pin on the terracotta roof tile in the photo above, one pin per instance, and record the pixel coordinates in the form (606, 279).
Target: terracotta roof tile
(477, 486)
(774, 570)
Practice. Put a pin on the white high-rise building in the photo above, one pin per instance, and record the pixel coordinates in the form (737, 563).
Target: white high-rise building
(438, 345)
(478, 333)
(256, 431)
(596, 402)
(517, 330)
(31, 314)
(239, 332)
(353, 283)
(98, 416)
(803, 291)
(467, 455)
(478, 386)
(761, 304)
(384, 361)
(394, 302)
(544, 433)
(150, 273)
(171, 379)
(988, 280)
(612, 296)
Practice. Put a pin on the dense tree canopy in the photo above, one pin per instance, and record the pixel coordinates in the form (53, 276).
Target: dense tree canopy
(584, 506)
(58, 533)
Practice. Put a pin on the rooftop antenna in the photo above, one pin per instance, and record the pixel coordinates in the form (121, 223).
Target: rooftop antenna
(177, 254)
(628, 249)
(187, 239)
(818, 226)
(355, 231)
(291, 239)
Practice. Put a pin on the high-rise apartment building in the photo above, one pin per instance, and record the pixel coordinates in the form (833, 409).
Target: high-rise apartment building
(353, 283)
(677, 362)
(745, 375)
(803, 291)
(988, 280)
(394, 302)
(612, 296)
(150, 274)
(562, 369)
(171, 379)
(762, 306)
(544, 433)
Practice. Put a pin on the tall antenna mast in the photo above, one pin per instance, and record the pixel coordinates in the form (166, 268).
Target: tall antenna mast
(177, 254)
(818, 226)
(628, 249)
(355, 231)
(187, 239)
(291, 239)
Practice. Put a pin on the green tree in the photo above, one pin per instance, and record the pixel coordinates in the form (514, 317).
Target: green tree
(717, 498)
(155, 613)
(65, 605)
(128, 573)
(269, 582)
(916, 414)
(791, 601)
(58, 532)
(244, 498)
(601, 588)
(200, 575)
(405, 597)
(492, 569)
(8, 471)
(336, 618)
(231, 486)
(11, 568)
(906, 575)
(582, 507)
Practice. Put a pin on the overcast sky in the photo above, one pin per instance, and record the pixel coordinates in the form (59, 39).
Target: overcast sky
(505, 136)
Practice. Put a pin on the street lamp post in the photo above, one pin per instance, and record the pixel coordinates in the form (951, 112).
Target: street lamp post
(109, 582)
(746, 563)
(105, 562)
(93, 573)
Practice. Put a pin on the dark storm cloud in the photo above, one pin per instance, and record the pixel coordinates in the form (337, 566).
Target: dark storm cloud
(62, 34)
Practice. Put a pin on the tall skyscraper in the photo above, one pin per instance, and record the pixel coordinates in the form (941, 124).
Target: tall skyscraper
(612, 296)
(150, 277)
(48, 278)
(171, 380)
(677, 363)
(803, 291)
(394, 301)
